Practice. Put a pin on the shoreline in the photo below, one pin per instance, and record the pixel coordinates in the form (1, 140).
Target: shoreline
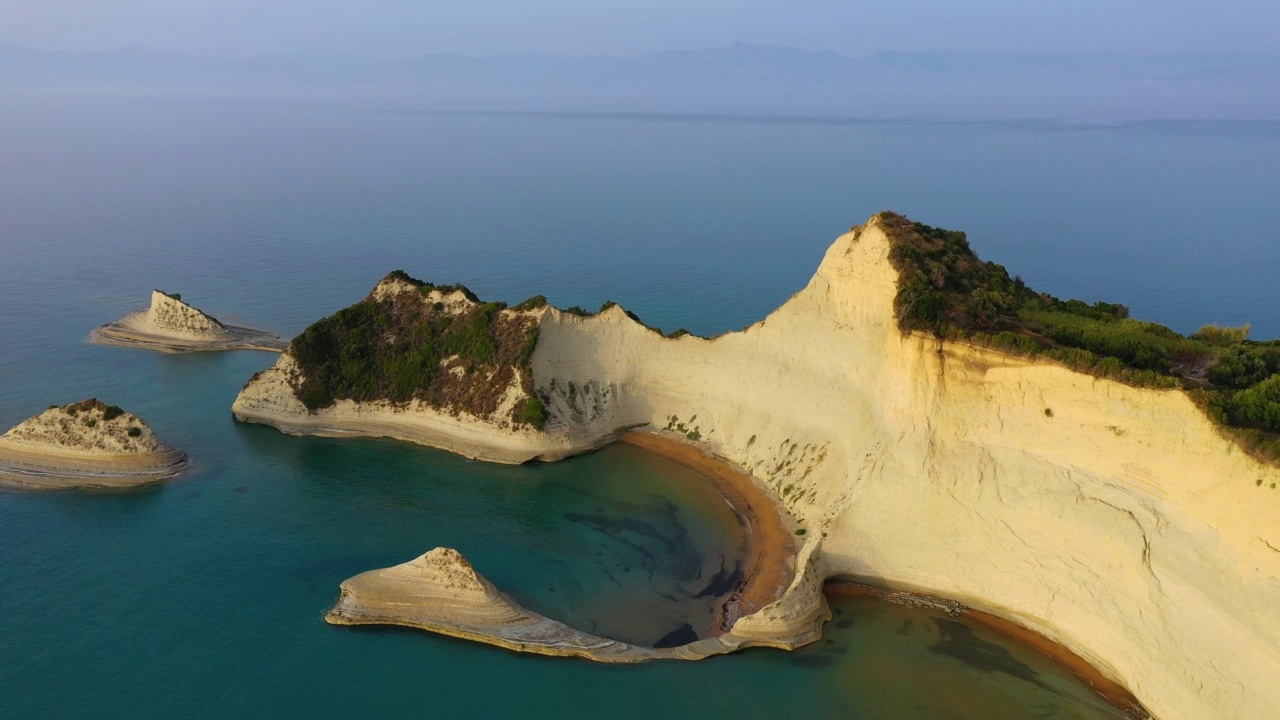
(23, 468)
(1111, 691)
(771, 547)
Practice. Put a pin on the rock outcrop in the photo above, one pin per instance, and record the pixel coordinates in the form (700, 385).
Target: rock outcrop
(172, 326)
(441, 592)
(1117, 521)
(86, 444)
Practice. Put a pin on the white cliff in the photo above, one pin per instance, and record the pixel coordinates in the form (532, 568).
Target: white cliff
(171, 325)
(1117, 521)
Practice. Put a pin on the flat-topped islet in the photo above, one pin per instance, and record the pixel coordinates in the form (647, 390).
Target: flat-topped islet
(173, 326)
(86, 444)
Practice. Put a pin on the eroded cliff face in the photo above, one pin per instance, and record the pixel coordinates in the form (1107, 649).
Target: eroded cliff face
(171, 316)
(1115, 520)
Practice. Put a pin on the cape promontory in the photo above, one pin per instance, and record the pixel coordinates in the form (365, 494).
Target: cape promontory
(86, 444)
(173, 326)
(931, 422)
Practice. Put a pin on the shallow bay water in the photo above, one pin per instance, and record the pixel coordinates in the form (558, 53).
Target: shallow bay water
(206, 597)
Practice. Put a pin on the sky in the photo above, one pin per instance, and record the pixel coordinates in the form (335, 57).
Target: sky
(407, 28)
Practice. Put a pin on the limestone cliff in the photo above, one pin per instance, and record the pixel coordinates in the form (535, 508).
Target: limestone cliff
(85, 444)
(173, 326)
(1115, 520)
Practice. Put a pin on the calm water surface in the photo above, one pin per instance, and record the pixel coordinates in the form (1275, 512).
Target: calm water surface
(206, 597)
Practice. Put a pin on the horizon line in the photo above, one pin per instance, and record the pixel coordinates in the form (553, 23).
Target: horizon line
(321, 52)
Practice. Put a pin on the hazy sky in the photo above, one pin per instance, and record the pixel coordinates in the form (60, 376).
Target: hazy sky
(403, 28)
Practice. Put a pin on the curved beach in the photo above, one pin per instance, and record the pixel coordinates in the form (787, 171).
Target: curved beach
(771, 538)
(441, 592)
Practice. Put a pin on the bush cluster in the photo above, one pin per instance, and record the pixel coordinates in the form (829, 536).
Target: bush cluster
(392, 350)
(365, 352)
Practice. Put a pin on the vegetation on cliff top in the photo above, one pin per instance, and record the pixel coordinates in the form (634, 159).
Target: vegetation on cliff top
(943, 288)
(92, 405)
(404, 348)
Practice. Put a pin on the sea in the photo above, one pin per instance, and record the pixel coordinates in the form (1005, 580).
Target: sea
(205, 597)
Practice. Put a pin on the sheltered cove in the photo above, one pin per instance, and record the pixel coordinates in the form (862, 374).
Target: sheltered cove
(1116, 521)
(172, 326)
(441, 592)
(86, 445)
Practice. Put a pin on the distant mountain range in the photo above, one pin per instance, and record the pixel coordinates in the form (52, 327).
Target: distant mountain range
(766, 74)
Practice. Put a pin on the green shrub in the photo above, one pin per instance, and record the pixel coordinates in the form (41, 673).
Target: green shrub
(1242, 366)
(112, 412)
(533, 412)
(91, 422)
(406, 277)
(526, 353)
(1220, 335)
(134, 431)
(533, 303)
(1257, 407)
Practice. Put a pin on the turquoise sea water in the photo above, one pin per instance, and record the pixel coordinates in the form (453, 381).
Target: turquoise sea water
(205, 597)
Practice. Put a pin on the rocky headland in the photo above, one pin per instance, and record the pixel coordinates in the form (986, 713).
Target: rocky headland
(172, 326)
(88, 444)
(932, 425)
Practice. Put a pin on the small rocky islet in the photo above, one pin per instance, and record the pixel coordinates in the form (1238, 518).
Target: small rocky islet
(87, 444)
(171, 325)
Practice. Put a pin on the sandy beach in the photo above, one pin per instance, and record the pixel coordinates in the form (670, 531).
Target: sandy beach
(771, 539)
